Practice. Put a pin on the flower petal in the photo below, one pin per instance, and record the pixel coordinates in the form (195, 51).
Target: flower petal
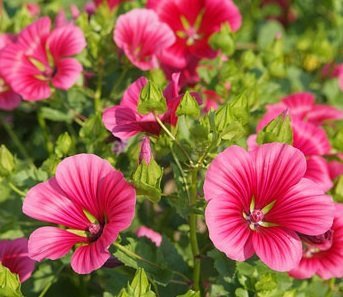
(48, 203)
(228, 230)
(321, 113)
(278, 167)
(79, 177)
(68, 71)
(318, 171)
(66, 41)
(306, 268)
(299, 104)
(279, 248)
(51, 243)
(89, 258)
(230, 176)
(303, 208)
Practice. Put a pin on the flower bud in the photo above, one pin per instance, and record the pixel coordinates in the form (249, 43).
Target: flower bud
(145, 153)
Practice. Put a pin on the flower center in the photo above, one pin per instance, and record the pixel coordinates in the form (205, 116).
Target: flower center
(94, 231)
(316, 244)
(254, 218)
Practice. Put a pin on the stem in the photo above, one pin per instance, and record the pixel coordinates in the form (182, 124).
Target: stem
(44, 128)
(172, 137)
(193, 232)
(17, 142)
(49, 284)
(16, 190)
(98, 92)
(138, 257)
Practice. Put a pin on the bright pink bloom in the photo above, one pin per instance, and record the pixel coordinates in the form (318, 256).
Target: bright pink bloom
(302, 106)
(111, 4)
(145, 153)
(336, 166)
(40, 58)
(258, 201)
(124, 120)
(9, 100)
(14, 256)
(193, 22)
(154, 236)
(323, 254)
(142, 37)
(91, 200)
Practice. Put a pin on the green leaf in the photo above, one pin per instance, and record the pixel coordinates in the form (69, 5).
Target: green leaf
(267, 33)
(151, 99)
(9, 283)
(7, 161)
(278, 130)
(63, 145)
(241, 293)
(139, 286)
(231, 119)
(147, 180)
(188, 106)
(223, 40)
(56, 115)
(190, 293)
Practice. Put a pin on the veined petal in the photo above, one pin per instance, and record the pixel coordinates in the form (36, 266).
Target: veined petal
(51, 243)
(68, 71)
(303, 208)
(228, 230)
(277, 247)
(278, 167)
(318, 171)
(299, 104)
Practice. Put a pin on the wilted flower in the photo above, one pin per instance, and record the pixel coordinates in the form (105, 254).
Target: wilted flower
(90, 201)
(258, 201)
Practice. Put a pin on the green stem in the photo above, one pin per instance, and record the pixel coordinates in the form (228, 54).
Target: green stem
(172, 137)
(16, 190)
(46, 134)
(17, 142)
(119, 81)
(98, 91)
(193, 232)
(49, 284)
(140, 258)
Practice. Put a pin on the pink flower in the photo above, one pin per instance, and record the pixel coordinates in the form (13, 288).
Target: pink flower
(142, 37)
(9, 100)
(193, 22)
(302, 106)
(41, 57)
(90, 201)
(323, 254)
(212, 100)
(111, 4)
(258, 201)
(155, 237)
(124, 120)
(14, 256)
(336, 167)
(145, 153)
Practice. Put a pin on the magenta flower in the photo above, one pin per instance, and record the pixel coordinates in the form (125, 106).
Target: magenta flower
(310, 139)
(9, 100)
(142, 37)
(302, 106)
(154, 236)
(323, 254)
(124, 120)
(41, 58)
(258, 201)
(193, 22)
(90, 201)
(336, 167)
(14, 256)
